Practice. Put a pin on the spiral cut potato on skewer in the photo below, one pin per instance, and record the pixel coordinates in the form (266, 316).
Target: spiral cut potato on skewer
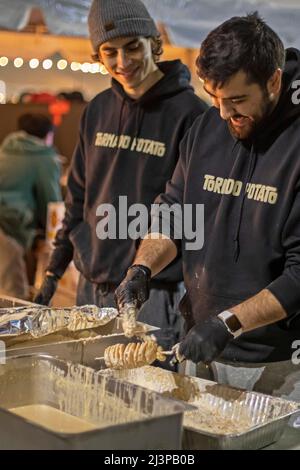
(132, 355)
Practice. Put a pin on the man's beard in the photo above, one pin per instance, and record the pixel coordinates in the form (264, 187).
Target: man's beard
(252, 126)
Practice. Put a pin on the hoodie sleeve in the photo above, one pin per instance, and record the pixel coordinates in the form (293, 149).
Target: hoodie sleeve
(286, 288)
(164, 217)
(63, 252)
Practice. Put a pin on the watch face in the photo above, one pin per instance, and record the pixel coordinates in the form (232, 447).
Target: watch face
(233, 323)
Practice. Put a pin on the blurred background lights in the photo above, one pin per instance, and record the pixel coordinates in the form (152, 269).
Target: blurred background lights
(3, 61)
(34, 63)
(85, 67)
(75, 66)
(47, 64)
(2, 92)
(95, 68)
(62, 64)
(103, 70)
(18, 62)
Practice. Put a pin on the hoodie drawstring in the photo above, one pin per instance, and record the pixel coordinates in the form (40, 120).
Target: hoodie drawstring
(120, 119)
(236, 238)
(138, 121)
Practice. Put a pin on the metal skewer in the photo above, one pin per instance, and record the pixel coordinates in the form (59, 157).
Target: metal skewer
(173, 352)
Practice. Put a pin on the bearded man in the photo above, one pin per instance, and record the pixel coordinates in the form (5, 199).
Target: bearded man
(241, 161)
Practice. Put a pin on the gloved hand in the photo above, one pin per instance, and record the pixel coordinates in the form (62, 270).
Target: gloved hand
(134, 289)
(205, 341)
(47, 290)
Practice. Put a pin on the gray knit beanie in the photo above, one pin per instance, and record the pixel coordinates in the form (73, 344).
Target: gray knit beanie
(109, 19)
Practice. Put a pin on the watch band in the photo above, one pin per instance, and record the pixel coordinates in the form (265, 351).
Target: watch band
(231, 322)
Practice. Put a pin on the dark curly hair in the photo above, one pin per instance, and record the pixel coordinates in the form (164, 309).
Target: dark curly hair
(244, 43)
(157, 47)
(35, 124)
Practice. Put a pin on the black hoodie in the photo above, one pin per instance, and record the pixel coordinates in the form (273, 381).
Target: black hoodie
(251, 196)
(126, 148)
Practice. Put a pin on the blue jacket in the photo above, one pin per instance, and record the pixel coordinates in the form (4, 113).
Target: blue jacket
(29, 179)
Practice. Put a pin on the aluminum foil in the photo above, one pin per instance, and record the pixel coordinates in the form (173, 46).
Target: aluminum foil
(40, 321)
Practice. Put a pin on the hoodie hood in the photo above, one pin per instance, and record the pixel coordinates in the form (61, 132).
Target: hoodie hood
(285, 112)
(21, 143)
(287, 108)
(176, 79)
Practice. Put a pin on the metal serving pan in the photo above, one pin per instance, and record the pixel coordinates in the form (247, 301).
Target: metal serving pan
(227, 418)
(79, 346)
(123, 415)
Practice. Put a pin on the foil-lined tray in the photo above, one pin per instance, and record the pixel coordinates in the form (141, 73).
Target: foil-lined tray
(40, 321)
(225, 418)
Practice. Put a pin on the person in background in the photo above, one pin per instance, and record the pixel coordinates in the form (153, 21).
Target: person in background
(29, 180)
(242, 305)
(128, 146)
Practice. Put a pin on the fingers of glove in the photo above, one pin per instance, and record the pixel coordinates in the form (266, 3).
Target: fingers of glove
(199, 352)
(209, 354)
(189, 344)
(205, 341)
(131, 291)
(198, 347)
(190, 351)
(39, 299)
(124, 295)
(50, 286)
(42, 299)
(47, 291)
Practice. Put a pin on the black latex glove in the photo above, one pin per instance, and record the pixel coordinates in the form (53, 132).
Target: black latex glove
(134, 289)
(47, 290)
(205, 341)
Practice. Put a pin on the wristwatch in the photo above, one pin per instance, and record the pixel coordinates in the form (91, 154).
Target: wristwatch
(231, 322)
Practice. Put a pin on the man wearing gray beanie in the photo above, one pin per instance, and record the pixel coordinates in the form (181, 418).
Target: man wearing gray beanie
(128, 148)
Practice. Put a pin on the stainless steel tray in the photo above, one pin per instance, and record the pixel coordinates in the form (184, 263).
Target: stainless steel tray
(80, 346)
(125, 416)
(227, 418)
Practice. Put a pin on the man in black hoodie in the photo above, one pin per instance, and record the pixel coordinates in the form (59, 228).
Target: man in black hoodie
(128, 148)
(243, 287)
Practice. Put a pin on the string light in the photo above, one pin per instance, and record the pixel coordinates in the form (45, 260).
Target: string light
(62, 64)
(3, 61)
(85, 67)
(47, 64)
(18, 62)
(95, 68)
(75, 66)
(34, 63)
(103, 70)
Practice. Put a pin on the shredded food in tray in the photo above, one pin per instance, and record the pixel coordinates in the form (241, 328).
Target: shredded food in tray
(210, 416)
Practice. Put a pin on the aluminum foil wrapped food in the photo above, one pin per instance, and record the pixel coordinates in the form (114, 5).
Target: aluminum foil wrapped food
(40, 321)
